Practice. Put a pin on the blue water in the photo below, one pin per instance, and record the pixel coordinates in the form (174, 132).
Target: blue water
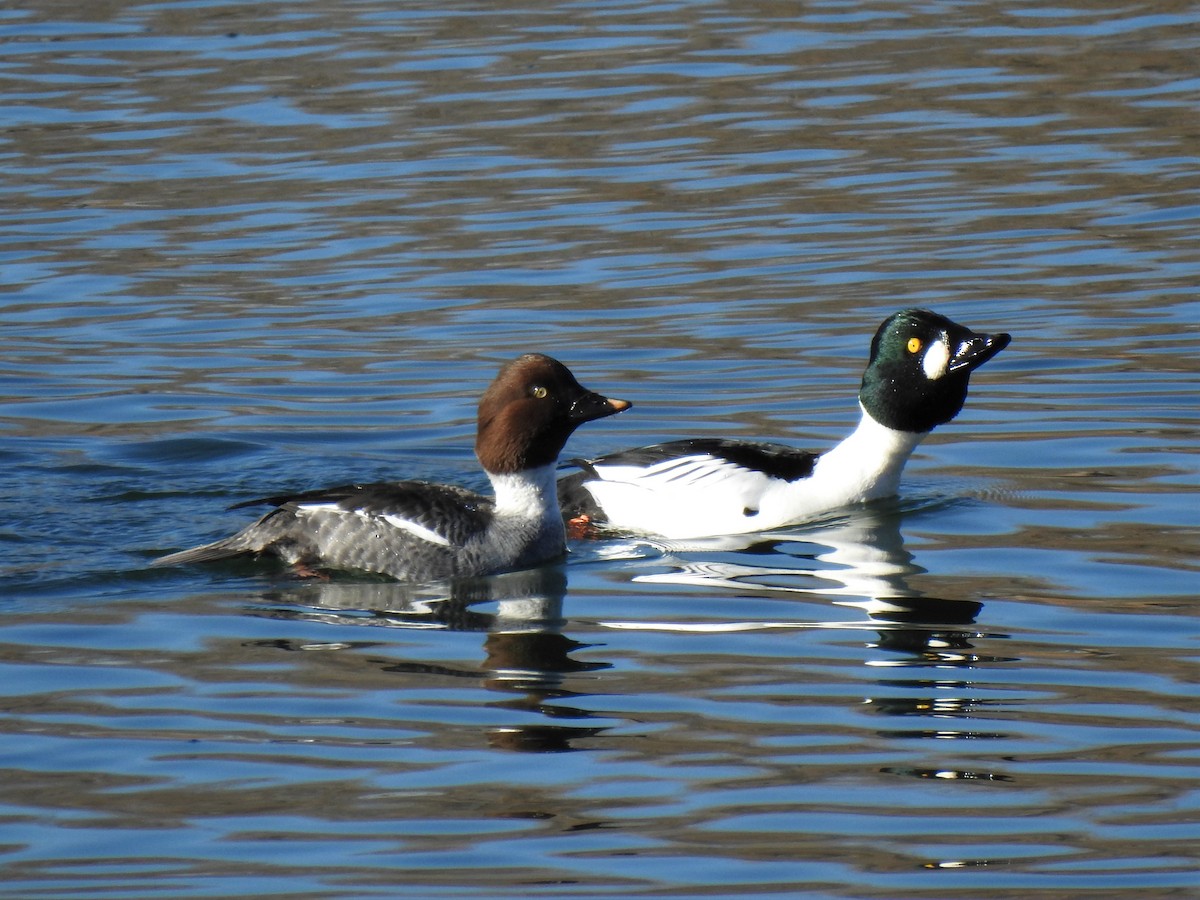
(249, 248)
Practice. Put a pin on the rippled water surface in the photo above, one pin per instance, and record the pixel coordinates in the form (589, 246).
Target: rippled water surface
(249, 248)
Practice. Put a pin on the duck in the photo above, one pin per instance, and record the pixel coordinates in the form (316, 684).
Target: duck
(916, 379)
(418, 531)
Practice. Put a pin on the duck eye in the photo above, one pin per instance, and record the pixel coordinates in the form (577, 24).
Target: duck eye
(914, 344)
(538, 392)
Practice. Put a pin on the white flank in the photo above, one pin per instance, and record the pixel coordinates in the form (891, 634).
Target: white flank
(425, 534)
(700, 495)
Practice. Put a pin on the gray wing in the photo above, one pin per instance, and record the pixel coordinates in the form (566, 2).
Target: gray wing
(390, 528)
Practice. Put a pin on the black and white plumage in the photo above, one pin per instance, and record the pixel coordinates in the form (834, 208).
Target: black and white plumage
(417, 531)
(692, 464)
(917, 378)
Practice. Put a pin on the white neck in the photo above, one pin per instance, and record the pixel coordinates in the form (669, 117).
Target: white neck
(868, 463)
(532, 494)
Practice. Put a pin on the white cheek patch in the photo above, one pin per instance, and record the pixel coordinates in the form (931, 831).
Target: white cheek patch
(936, 360)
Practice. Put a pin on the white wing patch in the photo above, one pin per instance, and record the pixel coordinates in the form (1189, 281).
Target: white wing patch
(416, 530)
(318, 507)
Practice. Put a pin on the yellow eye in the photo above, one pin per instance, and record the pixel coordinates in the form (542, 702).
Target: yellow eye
(914, 344)
(539, 392)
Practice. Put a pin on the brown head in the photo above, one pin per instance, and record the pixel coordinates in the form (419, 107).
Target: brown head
(529, 411)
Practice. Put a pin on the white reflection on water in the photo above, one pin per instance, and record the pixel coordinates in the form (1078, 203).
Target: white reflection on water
(856, 560)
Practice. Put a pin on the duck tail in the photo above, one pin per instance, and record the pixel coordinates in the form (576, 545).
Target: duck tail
(223, 549)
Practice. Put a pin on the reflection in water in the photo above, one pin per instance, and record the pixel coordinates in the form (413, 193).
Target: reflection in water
(225, 258)
(859, 561)
(525, 653)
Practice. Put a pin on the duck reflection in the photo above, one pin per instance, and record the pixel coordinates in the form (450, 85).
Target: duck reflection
(525, 653)
(858, 562)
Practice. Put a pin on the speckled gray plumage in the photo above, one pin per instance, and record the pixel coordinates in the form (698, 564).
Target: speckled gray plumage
(416, 531)
(351, 533)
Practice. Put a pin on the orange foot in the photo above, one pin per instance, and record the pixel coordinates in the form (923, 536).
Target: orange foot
(302, 570)
(580, 528)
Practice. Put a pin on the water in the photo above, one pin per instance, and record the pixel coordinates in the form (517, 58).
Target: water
(255, 247)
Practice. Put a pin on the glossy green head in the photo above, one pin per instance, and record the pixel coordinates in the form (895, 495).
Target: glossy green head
(920, 368)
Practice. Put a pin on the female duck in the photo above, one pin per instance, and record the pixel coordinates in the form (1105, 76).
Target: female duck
(415, 531)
